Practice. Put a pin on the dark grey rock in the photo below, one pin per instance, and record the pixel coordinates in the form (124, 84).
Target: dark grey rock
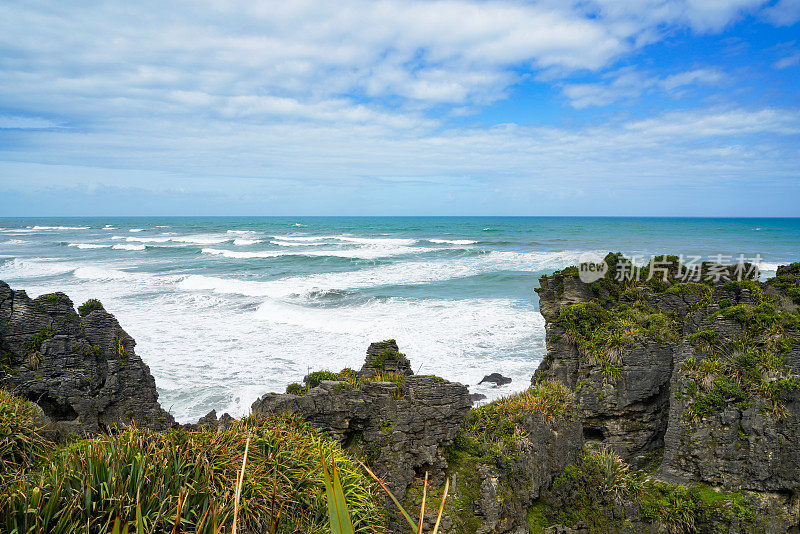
(496, 378)
(644, 409)
(476, 397)
(402, 432)
(82, 371)
(385, 357)
(209, 419)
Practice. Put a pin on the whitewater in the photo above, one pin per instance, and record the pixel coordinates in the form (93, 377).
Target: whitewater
(226, 309)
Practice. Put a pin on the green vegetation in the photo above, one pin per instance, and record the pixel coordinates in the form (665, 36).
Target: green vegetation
(748, 369)
(493, 434)
(684, 509)
(173, 477)
(592, 490)
(603, 335)
(399, 381)
(34, 344)
(737, 372)
(89, 306)
(690, 288)
(314, 379)
(348, 379)
(788, 278)
(56, 298)
(340, 515)
(86, 349)
(296, 389)
(388, 352)
(492, 430)
(587, 492)
(22, 439)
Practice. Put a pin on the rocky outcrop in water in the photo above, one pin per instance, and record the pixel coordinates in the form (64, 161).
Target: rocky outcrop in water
(81, 369)
(495, 378)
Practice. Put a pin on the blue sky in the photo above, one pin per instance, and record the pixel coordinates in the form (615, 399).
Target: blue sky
(442, 107)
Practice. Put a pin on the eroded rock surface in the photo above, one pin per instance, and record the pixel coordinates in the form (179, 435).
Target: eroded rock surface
(82, 371)
(705, 374)
(401, 426)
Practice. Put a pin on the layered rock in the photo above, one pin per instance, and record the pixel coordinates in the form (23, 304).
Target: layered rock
(498, 474)
(81, 370)
(706, 374)
(400, 421)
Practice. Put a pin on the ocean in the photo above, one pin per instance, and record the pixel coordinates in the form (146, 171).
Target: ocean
(225, 309)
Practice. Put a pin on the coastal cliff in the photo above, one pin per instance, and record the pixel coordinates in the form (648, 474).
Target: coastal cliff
(695, 383)
(80, 366)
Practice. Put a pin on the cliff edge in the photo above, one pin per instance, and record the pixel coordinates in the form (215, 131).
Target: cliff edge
(78, 366)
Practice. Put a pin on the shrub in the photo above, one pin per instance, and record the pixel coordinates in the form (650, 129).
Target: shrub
(296, 389)
(89, 306)
(314, 379)
(399, 381)
(34, 343)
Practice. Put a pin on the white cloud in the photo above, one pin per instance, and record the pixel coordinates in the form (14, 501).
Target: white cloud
(351, 91)
(629, 84)
(423, 52)
(784, 12)
(788, 61)
(705, 76)
(17, 122)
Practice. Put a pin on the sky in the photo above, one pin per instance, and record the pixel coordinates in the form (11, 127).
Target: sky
(400, 107)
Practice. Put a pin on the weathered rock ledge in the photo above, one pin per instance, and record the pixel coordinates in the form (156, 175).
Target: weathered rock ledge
(401, 422)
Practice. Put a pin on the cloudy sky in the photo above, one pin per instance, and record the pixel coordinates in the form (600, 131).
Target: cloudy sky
(552, 107)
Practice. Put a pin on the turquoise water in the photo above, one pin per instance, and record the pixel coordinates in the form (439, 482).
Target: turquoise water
(226, 309)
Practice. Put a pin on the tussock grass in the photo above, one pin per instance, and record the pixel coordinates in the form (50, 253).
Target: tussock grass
(602, 336)
(549, 398)
(183, 477)
(736, 371)
(22, 440)
(492, 432)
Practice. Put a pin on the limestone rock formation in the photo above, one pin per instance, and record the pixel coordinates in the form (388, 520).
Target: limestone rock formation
(706, 374)
(401, 425)
(81, 370)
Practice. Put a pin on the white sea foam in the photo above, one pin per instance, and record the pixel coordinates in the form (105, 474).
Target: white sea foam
(406, 273)
(243, 255)
(100, 273)
(88, 245)
(59, 227)
(198, 239)
(387, 241)
(220, 357)
(305, 237)
(453, 241)
(241, 241)
(128, 247)
(33, 268)
(367, 253)
(296, 243)
(241, 232)
(136, 230)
